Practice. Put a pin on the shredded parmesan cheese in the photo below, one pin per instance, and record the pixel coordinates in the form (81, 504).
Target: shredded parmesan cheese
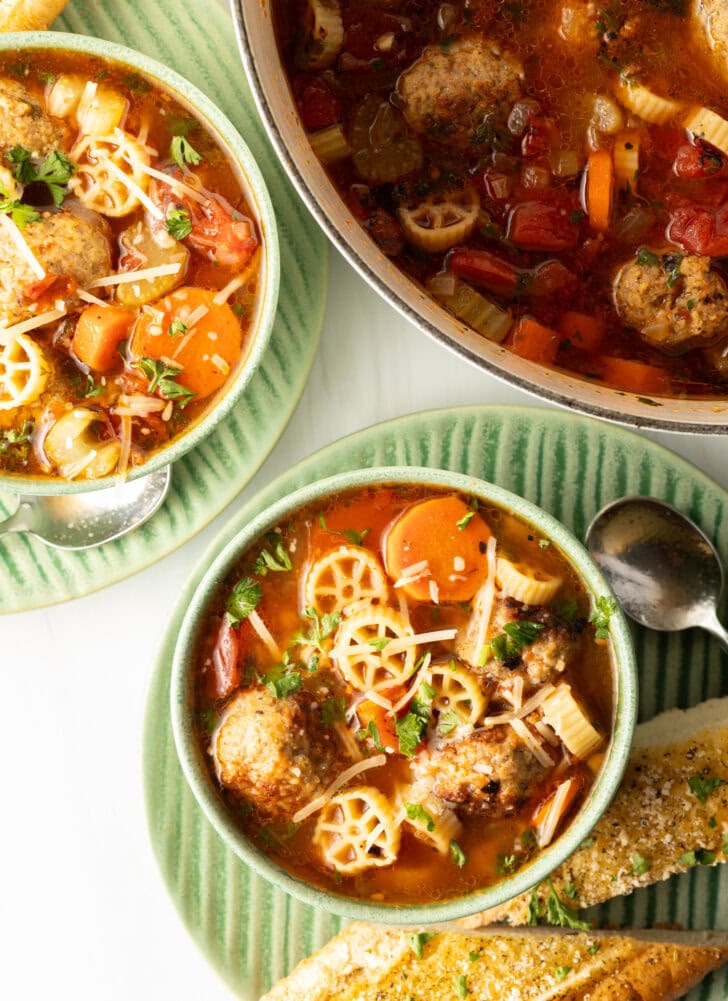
(531, 742)
(414, 686)
(15, 234)
(126, 277)
(398, 645)
(484, 600)
(125, 450)
(24, 326)
(414, 573)
(88, 297)
(238, 281)
(132, 186)
(316, 804)
(262, 630)
(174, 183)
(348, 741)
(434, 592)
(554, 813)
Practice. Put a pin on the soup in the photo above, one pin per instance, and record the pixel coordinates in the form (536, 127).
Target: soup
(554, 172)
(400, 694)
(129, 267)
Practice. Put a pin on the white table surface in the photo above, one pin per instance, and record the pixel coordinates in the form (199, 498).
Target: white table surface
(83, 911)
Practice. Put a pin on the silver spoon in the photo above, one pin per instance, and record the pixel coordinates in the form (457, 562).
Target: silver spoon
(663, 569)
(82, 521)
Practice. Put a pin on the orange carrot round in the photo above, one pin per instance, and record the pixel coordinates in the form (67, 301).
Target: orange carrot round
(451, 537)
(531, 339)
(599, 189)
(206, 350)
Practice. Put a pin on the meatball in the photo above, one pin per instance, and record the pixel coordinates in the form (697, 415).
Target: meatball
(674, 303)
(65, 244)
(712, 17)
(491, 772)
(541, 661)
(459, 96)
(25, 123)
(264, 751)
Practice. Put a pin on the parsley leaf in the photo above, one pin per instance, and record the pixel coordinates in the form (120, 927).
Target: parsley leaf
(594, 949)
(373, 732)
(702, 788)
(461, 986)
(411, 728)
(90, 389)
(457, 855)
(22, 215)
(506, 864)
(16, 440)
(163, 377)
(447, 722)
(416, 811)
(183, 152)
(350, 534)
(515, 636)
(245, 597)
(55, 172)
(699, 856)
(379, 642)
(24, 171)
(554, 911)
(640, 864)
(278, 561)
(561, 972)
(465, 520)
(282, 683)
(322, 626)
(604, 608)
(178, 224)
(418, 941)
(177, 328)
(332, 710)
(647, 259)
(672, 264)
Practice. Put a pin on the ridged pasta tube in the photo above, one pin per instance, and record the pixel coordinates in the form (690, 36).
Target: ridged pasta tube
(356, 831)
(709, 126)
(530, 585)
(568, 720)
(647, 105)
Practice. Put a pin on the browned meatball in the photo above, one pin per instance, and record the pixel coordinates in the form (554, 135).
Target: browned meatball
(461, 95)
(541, 661)
(263, 750)
(490, 773)
(25, 123)
(675, 303)
(65, 244)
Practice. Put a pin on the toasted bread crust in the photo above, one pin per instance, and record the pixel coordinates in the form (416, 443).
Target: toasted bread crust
(29, 15)
(655, 813)
(369, 963)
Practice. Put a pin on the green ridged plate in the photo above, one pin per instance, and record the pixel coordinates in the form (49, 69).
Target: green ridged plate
(197, 40)
(571, 466)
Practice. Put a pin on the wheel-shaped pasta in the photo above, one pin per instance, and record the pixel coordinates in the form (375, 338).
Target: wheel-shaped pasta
(457, 690)
(109, 178)
(323, 34)
(344, 576)
(356, 830)
(526, 584)
(23, 372)
(442, 219)
(434, 822)
(74, 451)
(362, 649)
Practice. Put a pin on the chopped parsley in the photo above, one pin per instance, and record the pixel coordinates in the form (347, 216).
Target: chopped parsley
(416, 811)
(699, 856)
(672, 264)
(55, 171)
(703, 788)
(178, 224)
(333, 710)
(177, 328)
(283, 681)
(465, 520)
(183, 152)
(277, 561)
(447, 722)
(16, 441)
(22, 215)
(515, 636)
(350, 534)
(594, 949)
(379, 642)
(553, 910)
(640, 864)
(457, 855)
(475, 956)
(566, 610)
(135, 81)
(163, 377)
(691, 304)
(373, 732)
(426, 693)
(575, 217)
(604, 609)
(411, 728)
(418, 941)
(506, 864)
(90, 390)
(571, 891)
(561, 972)
(647, 259)
(461, 986)
(244, 599)
(322, 626)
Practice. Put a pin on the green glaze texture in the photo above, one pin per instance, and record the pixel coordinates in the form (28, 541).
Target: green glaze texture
(198, 40)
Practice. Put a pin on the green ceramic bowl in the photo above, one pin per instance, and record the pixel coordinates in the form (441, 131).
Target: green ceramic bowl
(206, 792)
(257, 196)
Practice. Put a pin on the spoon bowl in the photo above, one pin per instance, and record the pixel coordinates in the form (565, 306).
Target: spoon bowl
(82, 521)
(662, 567)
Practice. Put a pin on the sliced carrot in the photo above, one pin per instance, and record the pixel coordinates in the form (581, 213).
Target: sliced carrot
(600, 189)
(577, 784)
(585, 332)
(635, 376)
(531, 339)
(451, 537)
(98, 334)
(206, 350)
(370, 713)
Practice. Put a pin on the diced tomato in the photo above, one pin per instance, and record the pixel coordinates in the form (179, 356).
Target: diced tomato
(698, 160)
(497, 185)
(481, 267)
(47, 290)
(540, 225)
(700, 231)
(318, 104)
(540, 138)
(665, 140)
(224, 677)
(550, 278)
(531, 339)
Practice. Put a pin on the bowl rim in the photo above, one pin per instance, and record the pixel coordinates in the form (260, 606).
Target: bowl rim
(257, 195)
(370, 271)
(198, 776)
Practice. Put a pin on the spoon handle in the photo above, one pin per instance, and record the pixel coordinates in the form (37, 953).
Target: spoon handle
(18, 520)
(714, 626)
